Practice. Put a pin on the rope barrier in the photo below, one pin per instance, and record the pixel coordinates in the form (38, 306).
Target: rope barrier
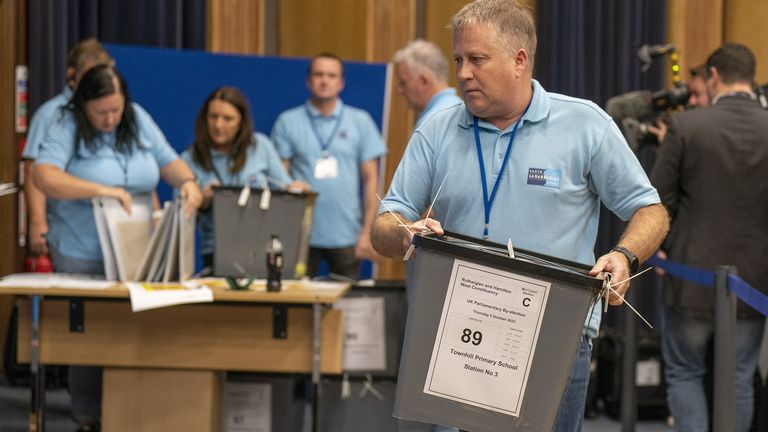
(743, 291)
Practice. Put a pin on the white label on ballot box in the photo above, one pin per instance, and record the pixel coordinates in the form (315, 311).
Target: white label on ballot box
(364, 342)
(247, 407)
(486, 339)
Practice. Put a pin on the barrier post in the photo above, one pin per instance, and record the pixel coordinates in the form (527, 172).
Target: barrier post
(629, 366)
(725, 353)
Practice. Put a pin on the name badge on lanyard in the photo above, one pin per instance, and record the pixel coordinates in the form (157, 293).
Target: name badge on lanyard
(327, 167)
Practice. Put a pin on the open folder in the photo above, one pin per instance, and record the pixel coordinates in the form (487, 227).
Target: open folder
(134, 251)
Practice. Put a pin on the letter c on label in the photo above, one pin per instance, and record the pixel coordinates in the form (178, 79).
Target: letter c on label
(526, 301)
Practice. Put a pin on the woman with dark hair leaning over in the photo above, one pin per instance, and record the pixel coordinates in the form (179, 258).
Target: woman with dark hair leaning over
(102, 145)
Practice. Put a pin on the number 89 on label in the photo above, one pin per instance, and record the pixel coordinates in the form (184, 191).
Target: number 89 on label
(466, 333)
(469, 336)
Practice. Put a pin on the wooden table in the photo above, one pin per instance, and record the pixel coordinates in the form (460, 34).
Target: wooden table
(164, 368)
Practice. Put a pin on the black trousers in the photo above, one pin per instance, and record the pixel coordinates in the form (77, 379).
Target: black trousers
(341, 261)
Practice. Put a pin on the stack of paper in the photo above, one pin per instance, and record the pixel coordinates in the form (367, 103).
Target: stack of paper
(151, 296)
(133, 251)
(55, 280)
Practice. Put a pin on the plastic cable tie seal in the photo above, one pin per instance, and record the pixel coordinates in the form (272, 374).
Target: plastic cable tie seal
(266, 198)
(606, 290)
(510, 249)
(369, 388)
(245, 193)
(610, 287)
(346, 390)
(409, 252)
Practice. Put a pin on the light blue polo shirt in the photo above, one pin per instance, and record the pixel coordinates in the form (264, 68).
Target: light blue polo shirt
(567, 157)
(338, 208)
(262, 168)
(72, 228)
(440, 100)
(46, 114)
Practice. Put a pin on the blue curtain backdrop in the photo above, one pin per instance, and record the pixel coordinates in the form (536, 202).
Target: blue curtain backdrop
(56, 25)
(588, 49)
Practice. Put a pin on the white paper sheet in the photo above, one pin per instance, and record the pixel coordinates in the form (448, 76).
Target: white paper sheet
(55, 280)
(364, 336)
(156, 295)
(320, 285)
(247, 407)
(128, 234)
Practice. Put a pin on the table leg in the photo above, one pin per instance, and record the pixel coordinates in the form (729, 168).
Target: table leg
(37, 373)
(317, 331)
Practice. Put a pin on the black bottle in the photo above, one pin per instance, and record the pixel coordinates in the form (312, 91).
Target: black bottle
(274, 263)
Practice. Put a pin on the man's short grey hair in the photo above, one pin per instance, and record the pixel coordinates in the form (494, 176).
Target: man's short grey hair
(420, 54)
(512, 21)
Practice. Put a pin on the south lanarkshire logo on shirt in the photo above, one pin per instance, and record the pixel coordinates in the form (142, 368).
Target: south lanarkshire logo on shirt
(547, 177)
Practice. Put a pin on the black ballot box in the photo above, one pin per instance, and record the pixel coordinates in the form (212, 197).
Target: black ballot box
(245, 221)
(365, 408)
(650, 384)
(490, 340)
(255, 402)
(374, 322)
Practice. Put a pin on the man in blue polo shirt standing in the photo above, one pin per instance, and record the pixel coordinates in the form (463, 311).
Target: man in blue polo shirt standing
(422, 78)
(336, 149)
(523, 164)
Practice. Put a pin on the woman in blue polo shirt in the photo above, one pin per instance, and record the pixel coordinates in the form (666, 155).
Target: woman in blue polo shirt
(103, 145)
(228, 152)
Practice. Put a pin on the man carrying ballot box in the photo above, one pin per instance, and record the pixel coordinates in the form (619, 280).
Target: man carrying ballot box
(516, 162)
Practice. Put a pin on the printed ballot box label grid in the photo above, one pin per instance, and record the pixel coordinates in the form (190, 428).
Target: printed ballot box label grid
(486, 338)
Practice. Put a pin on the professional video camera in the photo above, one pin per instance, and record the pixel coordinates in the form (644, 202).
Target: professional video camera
(635, 112)
(669, 99)
(677, 96)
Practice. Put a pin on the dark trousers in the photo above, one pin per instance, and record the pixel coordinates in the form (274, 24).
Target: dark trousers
(84, 381)
(341, 261)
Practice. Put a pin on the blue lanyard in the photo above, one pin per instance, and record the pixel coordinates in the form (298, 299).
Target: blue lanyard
(327, 143)
(487, 203)
(216, 172)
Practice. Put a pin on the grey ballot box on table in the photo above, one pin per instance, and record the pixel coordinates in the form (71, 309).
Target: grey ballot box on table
(435, 343)
(241, 232)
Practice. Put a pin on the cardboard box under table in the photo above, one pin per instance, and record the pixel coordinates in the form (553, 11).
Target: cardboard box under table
(490, 340)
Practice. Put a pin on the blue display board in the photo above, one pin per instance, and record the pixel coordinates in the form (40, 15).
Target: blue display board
(173, 84)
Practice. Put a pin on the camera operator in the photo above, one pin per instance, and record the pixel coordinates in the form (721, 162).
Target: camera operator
(642, 115)
(697, 90)
(710, 174)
